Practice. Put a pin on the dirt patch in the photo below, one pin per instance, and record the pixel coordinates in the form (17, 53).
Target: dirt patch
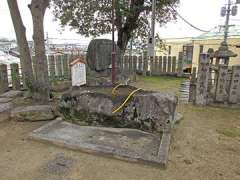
(59, 165)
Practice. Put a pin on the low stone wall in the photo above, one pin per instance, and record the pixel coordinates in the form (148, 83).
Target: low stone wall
(147, 111)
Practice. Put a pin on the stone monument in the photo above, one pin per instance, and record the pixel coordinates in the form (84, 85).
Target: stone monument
(99, 63)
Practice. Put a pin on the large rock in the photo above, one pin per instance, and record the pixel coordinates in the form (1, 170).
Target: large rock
(12, 94)
(5, 100)
(33, 113)
(148, 111)
(5, 111)
(61, 86)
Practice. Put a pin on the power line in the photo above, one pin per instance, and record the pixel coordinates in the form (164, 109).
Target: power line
(186, 21)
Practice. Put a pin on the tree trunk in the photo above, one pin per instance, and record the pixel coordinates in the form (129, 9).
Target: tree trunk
(123, 38)
(25, 57)
(38, 8)
(125, 30)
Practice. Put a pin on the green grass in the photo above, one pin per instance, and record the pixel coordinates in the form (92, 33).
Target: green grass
(230, 132)
(159, 83)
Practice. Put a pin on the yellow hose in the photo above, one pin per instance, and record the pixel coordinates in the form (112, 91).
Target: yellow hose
(126, 100)
(114, 89)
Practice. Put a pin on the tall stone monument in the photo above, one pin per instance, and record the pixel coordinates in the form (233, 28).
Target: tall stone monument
(99, 63)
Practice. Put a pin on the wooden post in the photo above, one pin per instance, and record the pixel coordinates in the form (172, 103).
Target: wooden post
(3, 78)
(15, 76)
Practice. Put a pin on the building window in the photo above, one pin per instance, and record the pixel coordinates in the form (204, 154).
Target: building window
(201, 49)
(169, 50)
(188, 53)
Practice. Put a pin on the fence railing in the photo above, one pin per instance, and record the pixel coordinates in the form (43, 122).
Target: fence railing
(215, 83)
(159, 65)
(58, 69)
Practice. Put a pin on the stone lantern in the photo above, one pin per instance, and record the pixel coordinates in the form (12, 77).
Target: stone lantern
(223, 54)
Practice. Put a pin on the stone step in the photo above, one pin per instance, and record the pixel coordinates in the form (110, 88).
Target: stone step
(184, 90)
(33, 113)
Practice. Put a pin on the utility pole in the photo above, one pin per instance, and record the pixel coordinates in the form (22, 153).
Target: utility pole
(226, 28)
(113, 44)
(223, 53)
(227, 11)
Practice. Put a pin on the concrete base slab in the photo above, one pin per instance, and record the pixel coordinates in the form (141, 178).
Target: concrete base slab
(125, 144)
(33, 113)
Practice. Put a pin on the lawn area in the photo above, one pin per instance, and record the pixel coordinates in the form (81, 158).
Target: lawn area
(159, 83)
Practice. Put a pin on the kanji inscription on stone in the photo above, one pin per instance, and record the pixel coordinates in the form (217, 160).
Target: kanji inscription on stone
(221, 87)
(235, 85)
(202, 80)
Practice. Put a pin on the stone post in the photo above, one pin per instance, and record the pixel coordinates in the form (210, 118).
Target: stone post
(164, 65)
(169, 69)
(234, 92)
(140, 64)
(130, 62)
(174, 63)
(160, 65)
(59, 66)
(3, 78)
(65, 66)
(51, 61)
(192, 90)
(145, 63)
(221, 86)
(121, 63)
(134, 68)
(151, 66)
(15, 76)
(126, 64)
(202, 80)
(156, 66)
(180, 64)
(34, 65)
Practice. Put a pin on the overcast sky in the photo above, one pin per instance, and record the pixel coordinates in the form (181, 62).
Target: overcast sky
(204, 14)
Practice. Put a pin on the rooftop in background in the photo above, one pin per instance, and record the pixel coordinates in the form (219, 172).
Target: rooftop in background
(218, 33)
(7, 58)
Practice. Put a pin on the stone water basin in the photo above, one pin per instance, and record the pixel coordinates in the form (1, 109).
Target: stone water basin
(93, 106)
